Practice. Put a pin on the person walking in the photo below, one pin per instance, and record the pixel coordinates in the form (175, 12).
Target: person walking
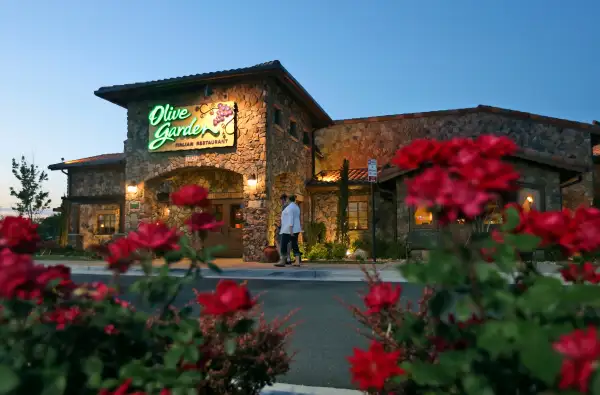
(288, 261)
(290, 230)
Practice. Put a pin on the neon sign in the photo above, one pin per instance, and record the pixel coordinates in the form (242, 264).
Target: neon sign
(194, 127)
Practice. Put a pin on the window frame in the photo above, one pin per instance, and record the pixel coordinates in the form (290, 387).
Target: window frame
(277, 116)
(359, 227)
(103, 220)
(294, 132)
(539, 188)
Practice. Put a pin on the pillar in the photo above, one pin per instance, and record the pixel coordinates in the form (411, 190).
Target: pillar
(255, 234)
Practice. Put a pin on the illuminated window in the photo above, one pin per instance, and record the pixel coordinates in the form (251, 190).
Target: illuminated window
(529, 199)
(293, 130)
(423, 216)
(358, 216)
(493, 213)
(277, 117)
(107, 224)
(236, 216)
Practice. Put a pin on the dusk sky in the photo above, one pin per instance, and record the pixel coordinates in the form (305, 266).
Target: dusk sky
(356, 58)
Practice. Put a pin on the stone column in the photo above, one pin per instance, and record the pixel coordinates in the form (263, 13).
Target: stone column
(133, 214)
(255, 234)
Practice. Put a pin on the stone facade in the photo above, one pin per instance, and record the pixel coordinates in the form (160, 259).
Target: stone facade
(289, 163)
(326, 209)
(247, 158)
(97, 182)
(381, 138)
(88, 222)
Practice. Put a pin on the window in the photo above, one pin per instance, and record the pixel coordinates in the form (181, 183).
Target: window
(277, 118)
(107, 224)
(293, 129)
(218, 212)
(236, 216)
(423, 216)
(305, 138)
(529, 199)
(493, 213)
(358, 216)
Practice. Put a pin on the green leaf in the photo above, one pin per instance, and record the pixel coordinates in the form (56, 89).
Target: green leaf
(496, 337)
(191, 354)
(92, 365)
(523, 242)
(243, 326)
(582, 294)
(230, 346)
(483, 271)
(56, 385)
(537, 354)
(476, 385)
(214, 267)
(8, 380)
(429, 374)
(174, 256)
(173, 356)
(513, 219)
(440, 302)
(543, 296)
(110, 383)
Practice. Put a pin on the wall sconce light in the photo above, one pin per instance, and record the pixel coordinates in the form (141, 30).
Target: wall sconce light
(132, 188)
(530, 199)
(252, 181)
(167, 211)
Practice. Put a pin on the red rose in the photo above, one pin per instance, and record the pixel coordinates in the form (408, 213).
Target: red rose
(382, 296)
(121, 254)
(372, 368)
(100, 291)
(493, 146)
(16, 273)
(490, 175)
(429, 188)
(123, 389)
(229, 297)
(110, 330)
(585, 272)
(45, 275)
(63, 316)
(415, 154)
(191, 196)
(581, 349)
(203, 222)
(456, 148)
(19, 234)
(155, 236)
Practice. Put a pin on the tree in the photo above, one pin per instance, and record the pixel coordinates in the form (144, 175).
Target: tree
(342, 219)
(32, 199)
(50, 227)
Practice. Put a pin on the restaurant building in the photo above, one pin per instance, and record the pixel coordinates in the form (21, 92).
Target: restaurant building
(251, 134)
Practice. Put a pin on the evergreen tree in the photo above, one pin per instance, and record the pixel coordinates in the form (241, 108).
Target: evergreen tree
(32, 199)
(343, 194)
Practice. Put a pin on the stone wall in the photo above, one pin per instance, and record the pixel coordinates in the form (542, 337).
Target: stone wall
(362, 140)
(222, 184)
(97, 182)
(583, 192)
(247, 157)
(88, 222)
(289, 163)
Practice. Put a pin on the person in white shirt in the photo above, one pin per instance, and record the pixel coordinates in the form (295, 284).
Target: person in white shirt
(290, 230)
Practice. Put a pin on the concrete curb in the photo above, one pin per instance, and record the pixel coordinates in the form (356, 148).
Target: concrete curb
(289, 389)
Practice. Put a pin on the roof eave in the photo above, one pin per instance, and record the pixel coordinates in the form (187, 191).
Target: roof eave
(97, 163)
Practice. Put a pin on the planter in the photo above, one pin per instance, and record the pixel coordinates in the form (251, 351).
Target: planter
(271, 255)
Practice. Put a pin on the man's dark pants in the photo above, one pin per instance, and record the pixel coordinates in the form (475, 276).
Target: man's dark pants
(286, 239)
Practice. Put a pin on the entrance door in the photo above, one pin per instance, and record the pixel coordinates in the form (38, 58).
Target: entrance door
(230, 236)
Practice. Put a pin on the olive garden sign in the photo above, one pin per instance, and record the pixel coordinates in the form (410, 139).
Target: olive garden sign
(193, 127)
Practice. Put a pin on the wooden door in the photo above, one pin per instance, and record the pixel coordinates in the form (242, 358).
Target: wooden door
(230, 235)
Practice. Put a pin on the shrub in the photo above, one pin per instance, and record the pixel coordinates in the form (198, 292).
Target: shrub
(314, 233)
(60, 337)
(512, 329)
(318, 251)
(338, 251)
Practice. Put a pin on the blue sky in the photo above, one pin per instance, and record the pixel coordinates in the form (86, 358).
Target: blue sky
(356, 58)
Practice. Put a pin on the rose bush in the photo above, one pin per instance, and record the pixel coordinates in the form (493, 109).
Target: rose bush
(488, 322)
(60, 337)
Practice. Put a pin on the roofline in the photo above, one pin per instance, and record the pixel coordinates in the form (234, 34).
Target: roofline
(121, 95)
(92, 163)
(592, 127)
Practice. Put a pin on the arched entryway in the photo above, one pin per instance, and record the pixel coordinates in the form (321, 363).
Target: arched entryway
(226, 191)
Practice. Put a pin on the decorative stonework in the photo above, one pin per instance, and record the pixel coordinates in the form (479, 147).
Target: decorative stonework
(97, 182)
(247, 158)
(326, 209)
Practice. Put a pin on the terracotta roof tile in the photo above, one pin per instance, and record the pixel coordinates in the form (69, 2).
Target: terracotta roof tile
(329, 177)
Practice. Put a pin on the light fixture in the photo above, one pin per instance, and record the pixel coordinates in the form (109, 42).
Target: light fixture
(167, 211)
(252, 180)
(348, 253)
(530, 199)
(132, 188)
